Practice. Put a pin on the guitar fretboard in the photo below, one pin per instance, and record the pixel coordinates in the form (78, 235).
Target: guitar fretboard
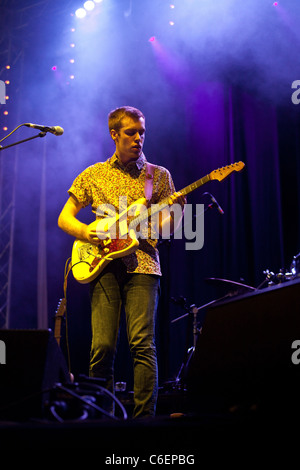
(191, 187)
(154, 209)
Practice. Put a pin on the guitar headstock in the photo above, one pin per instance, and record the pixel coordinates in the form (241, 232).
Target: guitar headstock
(61, 308)
(222, 173)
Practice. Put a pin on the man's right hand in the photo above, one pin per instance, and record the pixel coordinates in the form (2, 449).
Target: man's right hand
(94, 234)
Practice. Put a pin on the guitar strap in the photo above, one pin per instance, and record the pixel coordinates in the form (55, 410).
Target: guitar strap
(149, 181)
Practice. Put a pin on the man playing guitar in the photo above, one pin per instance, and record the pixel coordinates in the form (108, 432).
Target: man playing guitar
(132, 280)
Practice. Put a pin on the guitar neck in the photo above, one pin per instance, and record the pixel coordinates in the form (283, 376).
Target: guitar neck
(220, 174)
(57, 329)
(191, 187)
(165, 202)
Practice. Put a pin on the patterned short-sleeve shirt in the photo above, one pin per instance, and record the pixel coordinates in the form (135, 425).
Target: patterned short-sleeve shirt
(107, 182)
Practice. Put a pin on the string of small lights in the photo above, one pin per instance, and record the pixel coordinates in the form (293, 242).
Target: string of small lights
(4, 99)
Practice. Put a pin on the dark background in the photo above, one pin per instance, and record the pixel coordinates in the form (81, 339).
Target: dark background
(215, 87)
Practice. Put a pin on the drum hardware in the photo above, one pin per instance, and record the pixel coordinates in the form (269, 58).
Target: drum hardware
(273, 279)
(233, 289)
(295, 266)
(268, 279)
(283, 275)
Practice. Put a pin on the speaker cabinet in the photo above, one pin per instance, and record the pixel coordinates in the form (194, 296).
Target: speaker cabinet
(31, 363)
(244, 352)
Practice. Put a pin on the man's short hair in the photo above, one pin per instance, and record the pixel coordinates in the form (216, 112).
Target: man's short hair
(116, 115)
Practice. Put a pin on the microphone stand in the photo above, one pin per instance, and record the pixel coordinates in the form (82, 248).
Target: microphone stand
(192, 310)
(41, 134)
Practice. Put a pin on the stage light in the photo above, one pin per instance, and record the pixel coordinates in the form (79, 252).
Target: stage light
(171, 23)
(7, 67)
(80, 13)
(275, 4)
(7, 82)
(5, 128)
(54, 68)
(98, 1)
(72, 44)
(72, 61)
(89, 5)
(152, 39)
(5, 113)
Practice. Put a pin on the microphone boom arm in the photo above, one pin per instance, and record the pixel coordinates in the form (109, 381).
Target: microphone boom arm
(56, 130)
(41, 134)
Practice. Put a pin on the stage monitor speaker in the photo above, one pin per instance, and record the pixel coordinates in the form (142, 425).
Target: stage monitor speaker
(244, 352)
(31, 364)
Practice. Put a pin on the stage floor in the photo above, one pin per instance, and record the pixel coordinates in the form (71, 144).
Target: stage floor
(177, 435)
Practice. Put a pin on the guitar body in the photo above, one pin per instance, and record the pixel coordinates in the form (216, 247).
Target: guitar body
(89, 260)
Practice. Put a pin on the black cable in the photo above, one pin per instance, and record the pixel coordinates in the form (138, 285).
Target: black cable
(107, 392)
(11, 132)
(86, 402)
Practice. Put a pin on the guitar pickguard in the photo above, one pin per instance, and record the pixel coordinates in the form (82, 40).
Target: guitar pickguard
(89, 260)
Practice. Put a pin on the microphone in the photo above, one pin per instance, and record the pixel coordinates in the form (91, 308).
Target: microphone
(215, 203)
(56, 130)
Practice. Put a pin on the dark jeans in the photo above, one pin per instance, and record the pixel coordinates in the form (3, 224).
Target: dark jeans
(139, 293)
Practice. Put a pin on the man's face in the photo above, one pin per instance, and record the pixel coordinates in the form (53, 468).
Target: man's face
(130, 138)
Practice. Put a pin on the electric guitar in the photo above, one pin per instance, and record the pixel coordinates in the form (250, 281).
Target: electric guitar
(88, 260)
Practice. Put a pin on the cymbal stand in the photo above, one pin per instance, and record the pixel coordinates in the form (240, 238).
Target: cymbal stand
(193, 310)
